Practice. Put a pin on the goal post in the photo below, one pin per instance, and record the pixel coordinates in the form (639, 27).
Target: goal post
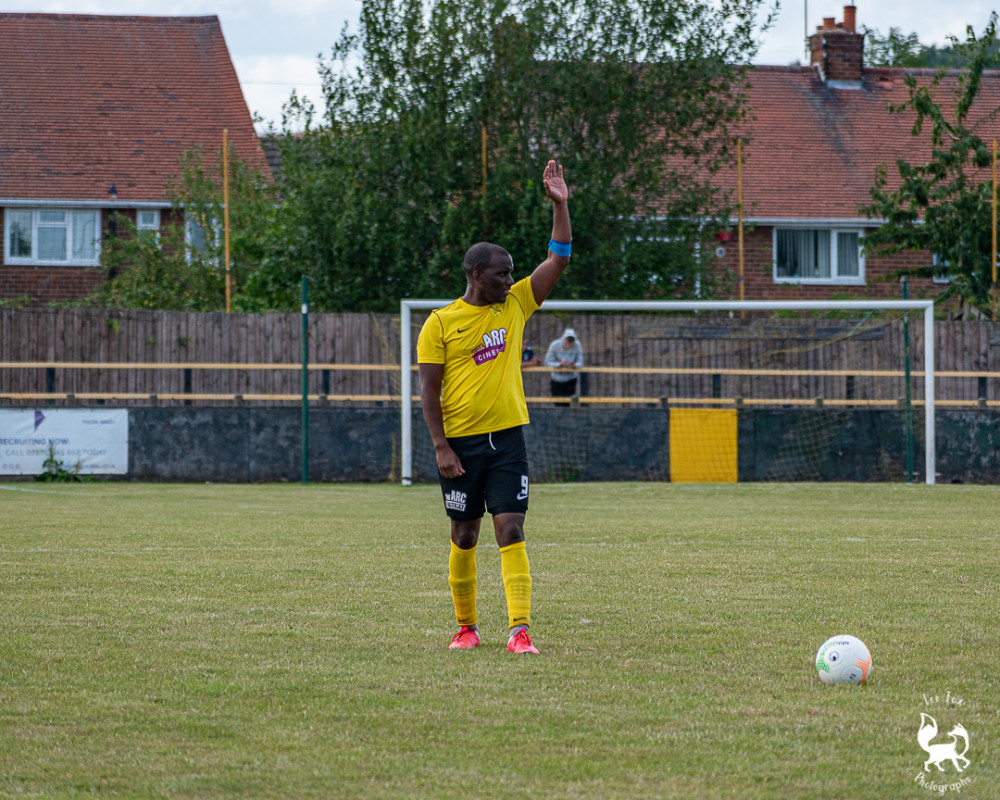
(407, 306)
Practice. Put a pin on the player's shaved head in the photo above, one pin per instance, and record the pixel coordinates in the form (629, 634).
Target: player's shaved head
(481, 255)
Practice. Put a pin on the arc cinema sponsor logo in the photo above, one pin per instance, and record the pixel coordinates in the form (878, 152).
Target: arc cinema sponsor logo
(494, 343)
(455, 500)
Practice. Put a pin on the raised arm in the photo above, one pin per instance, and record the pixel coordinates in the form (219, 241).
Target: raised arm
(544, 278)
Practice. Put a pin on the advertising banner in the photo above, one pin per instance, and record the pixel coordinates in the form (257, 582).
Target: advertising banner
(90, 441)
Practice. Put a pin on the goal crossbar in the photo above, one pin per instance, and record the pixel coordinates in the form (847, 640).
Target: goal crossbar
(407, 306)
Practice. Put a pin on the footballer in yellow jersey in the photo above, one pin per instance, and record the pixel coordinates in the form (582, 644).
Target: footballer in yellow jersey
(479, 348)
(469, 355)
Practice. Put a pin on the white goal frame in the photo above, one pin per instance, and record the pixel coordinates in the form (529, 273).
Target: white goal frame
(927, 306)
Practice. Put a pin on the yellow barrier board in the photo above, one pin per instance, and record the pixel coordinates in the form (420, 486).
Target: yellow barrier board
(703, 445)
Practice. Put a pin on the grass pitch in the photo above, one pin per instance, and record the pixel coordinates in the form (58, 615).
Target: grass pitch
(291, 641)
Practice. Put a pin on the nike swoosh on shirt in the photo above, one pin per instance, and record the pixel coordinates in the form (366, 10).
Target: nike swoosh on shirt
(461, 330)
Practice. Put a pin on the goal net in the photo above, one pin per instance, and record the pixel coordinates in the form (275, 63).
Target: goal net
(718, 391)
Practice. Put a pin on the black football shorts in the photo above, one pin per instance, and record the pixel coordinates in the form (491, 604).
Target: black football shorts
(496, 475)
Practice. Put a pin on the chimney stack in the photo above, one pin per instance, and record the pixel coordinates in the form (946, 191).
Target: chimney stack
(850, 18)
(838, 48)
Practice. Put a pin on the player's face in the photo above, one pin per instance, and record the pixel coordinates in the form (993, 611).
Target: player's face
(497, 279)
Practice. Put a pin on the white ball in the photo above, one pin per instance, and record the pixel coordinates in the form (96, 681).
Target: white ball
(843, 659)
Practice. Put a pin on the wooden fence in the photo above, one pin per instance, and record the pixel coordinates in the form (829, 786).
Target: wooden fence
(143, 357)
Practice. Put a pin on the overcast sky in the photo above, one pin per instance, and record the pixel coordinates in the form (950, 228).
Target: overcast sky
(275, 44)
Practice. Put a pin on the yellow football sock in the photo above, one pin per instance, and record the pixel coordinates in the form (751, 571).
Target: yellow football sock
(516, 583)
(462, 579)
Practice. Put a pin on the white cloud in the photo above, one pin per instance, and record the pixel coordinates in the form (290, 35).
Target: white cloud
(318, 11)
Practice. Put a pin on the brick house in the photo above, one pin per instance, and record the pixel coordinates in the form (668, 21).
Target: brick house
(97, 110)
(95, 113)
(814, 138)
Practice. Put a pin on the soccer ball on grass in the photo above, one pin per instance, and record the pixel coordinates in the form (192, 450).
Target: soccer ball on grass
(843, 659)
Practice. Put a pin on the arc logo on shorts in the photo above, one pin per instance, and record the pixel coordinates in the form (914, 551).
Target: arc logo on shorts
(455, 500)
(494, 343)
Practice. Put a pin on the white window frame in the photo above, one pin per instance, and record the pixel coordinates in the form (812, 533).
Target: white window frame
(154, 226)
(834, 278)
(213, 235)
(938, 261)
(37, 223)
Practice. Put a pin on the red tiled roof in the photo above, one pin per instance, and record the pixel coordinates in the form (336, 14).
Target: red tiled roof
(813, 149)
(89, 101)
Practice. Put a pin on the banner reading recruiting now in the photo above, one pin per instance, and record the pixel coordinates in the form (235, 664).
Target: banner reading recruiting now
(94, 439)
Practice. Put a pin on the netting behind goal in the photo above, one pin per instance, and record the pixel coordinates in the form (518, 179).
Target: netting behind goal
(723, 392)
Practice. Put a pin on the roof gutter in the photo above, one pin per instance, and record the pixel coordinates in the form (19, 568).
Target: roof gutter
(803, 222)
(812, 222)
(102, 203)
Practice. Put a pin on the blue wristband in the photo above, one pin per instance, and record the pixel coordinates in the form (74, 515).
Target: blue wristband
(564, 249)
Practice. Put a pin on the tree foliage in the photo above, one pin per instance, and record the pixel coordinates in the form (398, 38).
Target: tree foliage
(166, 270)
(892, 50)
(897, 49)
(944, 205)
(440, 116)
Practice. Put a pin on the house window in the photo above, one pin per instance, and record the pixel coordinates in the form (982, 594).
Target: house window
(147, 220)
(200, 239)
(51, 236)
(18, 227)
(803, 255)
(941, 265)
(663, 263)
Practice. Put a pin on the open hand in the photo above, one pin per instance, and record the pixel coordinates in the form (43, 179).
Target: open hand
(555, 186)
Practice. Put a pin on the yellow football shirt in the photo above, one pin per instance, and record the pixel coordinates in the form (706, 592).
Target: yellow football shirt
(480, 348)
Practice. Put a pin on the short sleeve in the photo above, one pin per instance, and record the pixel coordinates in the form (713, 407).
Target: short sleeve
(525, 296)
(430, 342)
